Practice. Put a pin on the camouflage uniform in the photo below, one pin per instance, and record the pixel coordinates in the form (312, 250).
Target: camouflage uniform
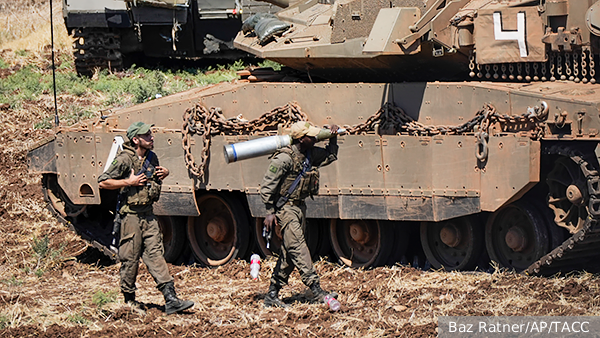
(140, 232)
(284, 168)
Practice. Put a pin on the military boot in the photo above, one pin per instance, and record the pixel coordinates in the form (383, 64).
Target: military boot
(272, 297)
(129, 299)
(317, 294)
(172, 303)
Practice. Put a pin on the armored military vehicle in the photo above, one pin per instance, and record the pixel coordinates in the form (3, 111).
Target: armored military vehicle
(108, 32)
(472, 128)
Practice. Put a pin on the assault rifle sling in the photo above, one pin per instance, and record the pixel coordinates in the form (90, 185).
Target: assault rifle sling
(305, 167)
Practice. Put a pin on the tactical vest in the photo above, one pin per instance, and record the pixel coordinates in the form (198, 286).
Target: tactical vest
(309, 183)
(146, 194)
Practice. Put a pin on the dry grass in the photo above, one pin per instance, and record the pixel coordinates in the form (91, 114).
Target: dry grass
(376, 303)
(25, 25)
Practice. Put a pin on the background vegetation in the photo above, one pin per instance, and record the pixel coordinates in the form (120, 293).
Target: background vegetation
(27, 81)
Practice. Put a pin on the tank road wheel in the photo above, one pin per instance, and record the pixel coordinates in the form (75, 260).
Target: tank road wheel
(516, 236)
(455, 244)
(361, 243)
(221, 232)
(174, 236)
(567, 195)
(274, 244)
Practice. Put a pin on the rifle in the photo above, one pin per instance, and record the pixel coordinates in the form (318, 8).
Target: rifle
(116, 231)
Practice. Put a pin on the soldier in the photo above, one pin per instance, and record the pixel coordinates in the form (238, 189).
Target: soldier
(291, 177)
(137, 173)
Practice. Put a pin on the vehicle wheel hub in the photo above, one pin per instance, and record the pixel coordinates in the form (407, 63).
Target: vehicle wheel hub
(450, 235)
(359, 233)
(516, 239)
(574, 195)
(217, 229)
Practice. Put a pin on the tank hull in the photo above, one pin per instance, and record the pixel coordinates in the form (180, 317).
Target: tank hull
(384, 182)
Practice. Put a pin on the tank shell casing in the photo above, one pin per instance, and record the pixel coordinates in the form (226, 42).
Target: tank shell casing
(254, 148)
(265, 145)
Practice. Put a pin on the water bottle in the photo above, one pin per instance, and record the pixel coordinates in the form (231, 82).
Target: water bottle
(333, 303)
(254, 266)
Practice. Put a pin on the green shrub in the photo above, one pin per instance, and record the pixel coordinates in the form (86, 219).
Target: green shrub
(105, 90)
(45, 123)
(270, 64)
(77, 319)
(41, 247)
(45, 256)
(101, 298)
(12, 281)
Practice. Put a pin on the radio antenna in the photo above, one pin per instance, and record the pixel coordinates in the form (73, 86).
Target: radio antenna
(56, 121)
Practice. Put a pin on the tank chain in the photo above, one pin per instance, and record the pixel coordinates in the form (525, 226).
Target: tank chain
(577, 66)
(393, 119)
(576, 251)
(209, 122)
(388, 119)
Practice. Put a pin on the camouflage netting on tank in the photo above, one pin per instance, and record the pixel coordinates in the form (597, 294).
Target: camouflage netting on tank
(265, 25)
(249, 23)
(355, 19)
(162, 3)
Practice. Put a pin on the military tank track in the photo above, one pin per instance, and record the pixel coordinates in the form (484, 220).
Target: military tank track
(76, 218)
(578, 250)
(96, 48)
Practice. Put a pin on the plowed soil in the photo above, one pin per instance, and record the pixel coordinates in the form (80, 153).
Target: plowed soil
(68, 289)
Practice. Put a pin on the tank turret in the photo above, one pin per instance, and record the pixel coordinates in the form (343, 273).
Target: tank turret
(417, 40)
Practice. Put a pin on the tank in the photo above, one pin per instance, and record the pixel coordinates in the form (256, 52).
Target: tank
(471, 134)
(109, 33)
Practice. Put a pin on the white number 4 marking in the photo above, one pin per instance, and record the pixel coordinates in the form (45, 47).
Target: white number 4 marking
(518, 35)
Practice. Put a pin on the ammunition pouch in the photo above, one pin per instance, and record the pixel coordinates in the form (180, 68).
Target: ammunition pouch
(308, 186)
(144, 195)
(313, 182)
